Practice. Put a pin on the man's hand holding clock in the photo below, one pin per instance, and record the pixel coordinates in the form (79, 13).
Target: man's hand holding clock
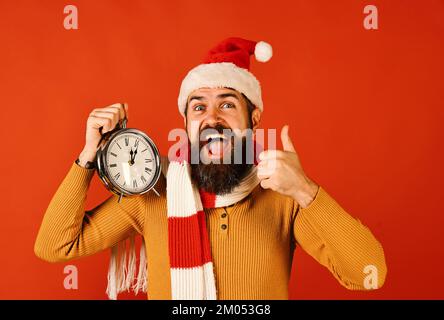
(106, 118)
(113, 150)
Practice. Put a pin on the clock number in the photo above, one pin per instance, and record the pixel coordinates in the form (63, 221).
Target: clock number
(148, 160)
(148, 170)
(136, 143)
(144, 150)
(117, 176)
(143, 179)
(126, 141)
(113, 154)
(118, 145)
(113, 165)
(134, 183)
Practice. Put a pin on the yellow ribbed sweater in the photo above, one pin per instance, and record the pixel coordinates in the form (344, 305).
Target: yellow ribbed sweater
(252, 255)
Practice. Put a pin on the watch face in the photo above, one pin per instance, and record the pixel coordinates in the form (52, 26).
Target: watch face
(131, 162)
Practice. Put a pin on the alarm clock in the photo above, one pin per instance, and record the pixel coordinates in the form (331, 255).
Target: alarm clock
(128, 161)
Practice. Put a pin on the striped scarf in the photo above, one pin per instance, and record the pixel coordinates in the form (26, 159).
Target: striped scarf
(191, 265)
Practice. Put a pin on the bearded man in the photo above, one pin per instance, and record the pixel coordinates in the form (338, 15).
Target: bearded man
(225, 226)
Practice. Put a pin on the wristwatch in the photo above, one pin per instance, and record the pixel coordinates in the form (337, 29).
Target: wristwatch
(88, 165)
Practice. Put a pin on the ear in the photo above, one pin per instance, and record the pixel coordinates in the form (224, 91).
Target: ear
(255, 118)
(185, 117)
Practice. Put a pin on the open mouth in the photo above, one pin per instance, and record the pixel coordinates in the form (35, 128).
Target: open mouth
(216, 144)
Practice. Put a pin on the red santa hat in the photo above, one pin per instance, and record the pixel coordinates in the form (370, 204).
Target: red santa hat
(227, 66)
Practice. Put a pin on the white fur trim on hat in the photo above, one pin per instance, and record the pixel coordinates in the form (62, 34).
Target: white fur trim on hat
(220, 75)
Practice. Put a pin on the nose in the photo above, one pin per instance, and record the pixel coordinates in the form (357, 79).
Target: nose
(212, 117)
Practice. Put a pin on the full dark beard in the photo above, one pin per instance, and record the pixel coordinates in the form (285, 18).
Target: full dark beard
(220, 178)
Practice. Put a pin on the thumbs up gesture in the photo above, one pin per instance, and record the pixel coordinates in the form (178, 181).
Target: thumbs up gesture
(281, 171)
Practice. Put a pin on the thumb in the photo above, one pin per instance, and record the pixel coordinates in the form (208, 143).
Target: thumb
(286, 141)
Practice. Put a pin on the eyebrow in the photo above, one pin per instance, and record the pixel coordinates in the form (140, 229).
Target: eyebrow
(199, 98)
(227, 95)
(219, 96)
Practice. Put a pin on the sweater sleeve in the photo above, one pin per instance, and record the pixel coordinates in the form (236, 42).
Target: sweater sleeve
(339, 242)
(68, 231)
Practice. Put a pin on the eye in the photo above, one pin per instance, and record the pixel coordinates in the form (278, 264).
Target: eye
(199, 107)
(227, 105)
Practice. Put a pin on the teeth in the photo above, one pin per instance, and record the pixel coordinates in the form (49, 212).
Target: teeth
(215, 136)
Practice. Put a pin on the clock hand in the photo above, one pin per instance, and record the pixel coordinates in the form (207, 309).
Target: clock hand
(131, 157)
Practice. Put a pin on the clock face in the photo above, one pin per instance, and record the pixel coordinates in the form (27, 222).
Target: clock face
(131, 162)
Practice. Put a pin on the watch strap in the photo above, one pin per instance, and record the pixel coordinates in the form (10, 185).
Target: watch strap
(88, 165)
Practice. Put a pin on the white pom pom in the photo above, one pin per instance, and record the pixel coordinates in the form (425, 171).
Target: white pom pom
(263, 51)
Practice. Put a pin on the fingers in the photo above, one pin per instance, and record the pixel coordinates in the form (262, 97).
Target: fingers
(266, 168)
(263, 174)
(106, 124)
(265, 171)
(106, 120)
(106, 114)
(266, 184)
(286, 141)
(109, 116)
(122, 109)
(271, 154)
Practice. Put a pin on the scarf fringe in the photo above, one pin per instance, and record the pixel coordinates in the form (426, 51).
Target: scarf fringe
(111, 290)
(122, 269)
(131, 271)
(141, 283)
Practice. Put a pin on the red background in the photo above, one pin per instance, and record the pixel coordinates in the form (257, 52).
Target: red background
(364, 107)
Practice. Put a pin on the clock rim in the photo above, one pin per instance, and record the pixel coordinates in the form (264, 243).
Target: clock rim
(101, 166)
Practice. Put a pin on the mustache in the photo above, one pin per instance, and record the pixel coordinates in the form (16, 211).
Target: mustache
(218, 127)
